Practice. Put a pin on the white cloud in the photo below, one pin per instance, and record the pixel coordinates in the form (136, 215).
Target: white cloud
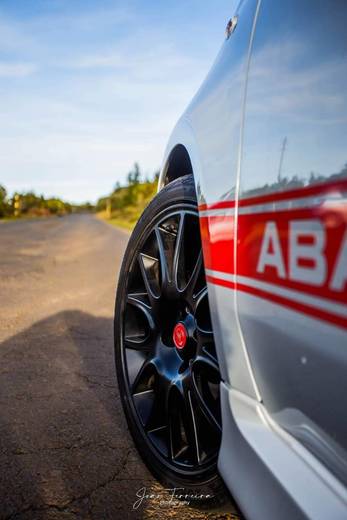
(16, 70)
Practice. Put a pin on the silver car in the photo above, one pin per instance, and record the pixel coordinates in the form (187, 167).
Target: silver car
(231, 311)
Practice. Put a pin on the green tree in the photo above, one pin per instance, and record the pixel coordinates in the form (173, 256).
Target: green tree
(3, 201)
(117, 187)
(133, 179)
(134, 175)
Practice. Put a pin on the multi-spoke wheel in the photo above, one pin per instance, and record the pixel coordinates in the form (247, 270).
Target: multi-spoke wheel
(166, 361)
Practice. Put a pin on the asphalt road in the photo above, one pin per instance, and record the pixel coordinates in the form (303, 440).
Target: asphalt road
(65, 452)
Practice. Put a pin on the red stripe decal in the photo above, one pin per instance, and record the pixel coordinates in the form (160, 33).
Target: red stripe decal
(281, 300)
(303, 249)
(298, 193)
(217, 235)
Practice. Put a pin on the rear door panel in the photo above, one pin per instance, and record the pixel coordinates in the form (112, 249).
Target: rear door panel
(291, 234)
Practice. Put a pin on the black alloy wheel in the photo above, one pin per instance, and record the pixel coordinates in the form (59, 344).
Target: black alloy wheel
(166, 360)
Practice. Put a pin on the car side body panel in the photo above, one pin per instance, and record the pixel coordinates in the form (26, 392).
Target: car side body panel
(266, 137)
(293, 189)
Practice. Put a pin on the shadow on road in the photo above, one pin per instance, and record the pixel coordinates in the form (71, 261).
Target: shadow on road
(65, 451)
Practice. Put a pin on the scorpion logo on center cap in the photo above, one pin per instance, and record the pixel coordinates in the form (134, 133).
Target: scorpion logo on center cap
(180, 336)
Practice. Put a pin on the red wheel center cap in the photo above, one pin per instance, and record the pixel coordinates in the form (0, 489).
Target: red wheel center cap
(180, 336)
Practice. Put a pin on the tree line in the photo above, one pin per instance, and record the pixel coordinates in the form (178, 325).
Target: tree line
(31, 205)
(127, 201)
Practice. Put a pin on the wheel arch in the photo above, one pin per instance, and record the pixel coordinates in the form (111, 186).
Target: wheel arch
(177, 165)
(181, 156)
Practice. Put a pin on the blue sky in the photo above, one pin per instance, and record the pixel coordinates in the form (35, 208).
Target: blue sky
(89, 87)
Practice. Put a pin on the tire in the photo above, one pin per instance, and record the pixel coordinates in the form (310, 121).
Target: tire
(170, 392)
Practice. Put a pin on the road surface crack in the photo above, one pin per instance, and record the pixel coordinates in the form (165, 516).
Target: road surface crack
(93, 382)
(65, 507)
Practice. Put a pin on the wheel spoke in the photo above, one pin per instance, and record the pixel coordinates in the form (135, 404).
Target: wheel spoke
(156, 421)
(158, 426)
(144, 402)
(205, 409)
(140, 301)
(137, 343)
(178, 250)
(144, 379)
(148, 267)
(205, 377)
(204, 331)
(189, 422)
(205, 345)
(179, 440)
(136, 338)
(192, 433)
(170, 424)
(158, 417)
(192, 282)
(208, 362)
(164, 268)
(134, 361)
(138, 379)
(198, 297)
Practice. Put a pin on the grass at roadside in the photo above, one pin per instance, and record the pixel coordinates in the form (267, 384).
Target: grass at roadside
(124, 206)
(119, 221)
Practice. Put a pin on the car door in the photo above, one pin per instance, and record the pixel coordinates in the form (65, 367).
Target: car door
(292, 215)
